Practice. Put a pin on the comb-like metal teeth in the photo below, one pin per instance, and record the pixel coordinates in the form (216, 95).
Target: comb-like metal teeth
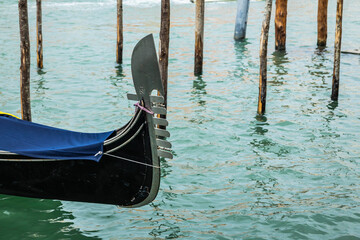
(157, 99)
(154, 99)
(164, 154)
(160, 121)
(163, 143)
(162, 132)
(159, 110)
(132, 97)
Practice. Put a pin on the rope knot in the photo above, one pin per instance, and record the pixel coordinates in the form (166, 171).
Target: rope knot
(138, 105)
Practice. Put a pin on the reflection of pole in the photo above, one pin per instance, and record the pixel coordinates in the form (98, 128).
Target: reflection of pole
(25, 61)
(280, 24)
(241, 19)
(164, 45)
(39, 35)
(119, 43)
(322, 22)
(199, 36)
(263, 56)
(337, 51)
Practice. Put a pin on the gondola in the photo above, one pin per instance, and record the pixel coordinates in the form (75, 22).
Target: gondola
(119, 167)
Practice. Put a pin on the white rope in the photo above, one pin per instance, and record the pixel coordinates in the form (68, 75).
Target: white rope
(133, 161)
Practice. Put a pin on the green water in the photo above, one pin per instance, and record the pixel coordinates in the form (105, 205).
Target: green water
(292, 174)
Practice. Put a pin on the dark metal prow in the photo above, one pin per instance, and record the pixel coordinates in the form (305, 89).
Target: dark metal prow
(147, 80)
(145, 69)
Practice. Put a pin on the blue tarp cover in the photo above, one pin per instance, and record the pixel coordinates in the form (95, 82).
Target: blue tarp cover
(40, 141)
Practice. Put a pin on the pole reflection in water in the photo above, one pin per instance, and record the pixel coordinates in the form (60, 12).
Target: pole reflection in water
(260, 142)
(119, 83)
(242, 58)
(260, 122)
(119, 71)
(319, 67)
(280, 68)
(197, 97)
(118, 79)
(199, 91)
(165, 167)
(40, 81)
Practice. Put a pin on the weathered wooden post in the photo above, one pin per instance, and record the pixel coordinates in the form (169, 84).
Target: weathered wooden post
(241, 19)
(280, 24)
(164, 44)
(25, 61)
(39, 38)
(337, 51)
(199, 36)
(120, 38)
(263, 58)
(322, 22)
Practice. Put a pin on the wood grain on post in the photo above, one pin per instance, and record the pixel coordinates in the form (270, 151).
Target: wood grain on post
(322, 22)
(199, 36)
(280, 24)
(241, 19)
(39, 38)
(263, 58)
(25, 61)
(337, 51)
(120, 38)
(164, 45)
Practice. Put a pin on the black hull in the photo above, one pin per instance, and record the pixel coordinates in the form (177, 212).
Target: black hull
(113, 180)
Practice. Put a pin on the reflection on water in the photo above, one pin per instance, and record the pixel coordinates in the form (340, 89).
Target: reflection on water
(40, 82)
(333, 105)
(198, 98)
(117, 80)
(199, 91)
(120, 71)
(320, 67)
(241, 49)
(45, 218)
(259, 124)
(41, 71)
(171, 231)
(165, 167)
(242, 55)
(280, 61)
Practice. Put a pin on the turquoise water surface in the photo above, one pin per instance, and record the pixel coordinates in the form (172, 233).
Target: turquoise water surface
(291, 174)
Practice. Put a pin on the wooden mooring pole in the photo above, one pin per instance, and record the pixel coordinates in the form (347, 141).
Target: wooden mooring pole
(120, 37)
(263, 58)
(337, 51)
(322, 22)
(39, 38)
(241, 19)
(280, 24)
(164, 44)
(25, 61)
(199, 36)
